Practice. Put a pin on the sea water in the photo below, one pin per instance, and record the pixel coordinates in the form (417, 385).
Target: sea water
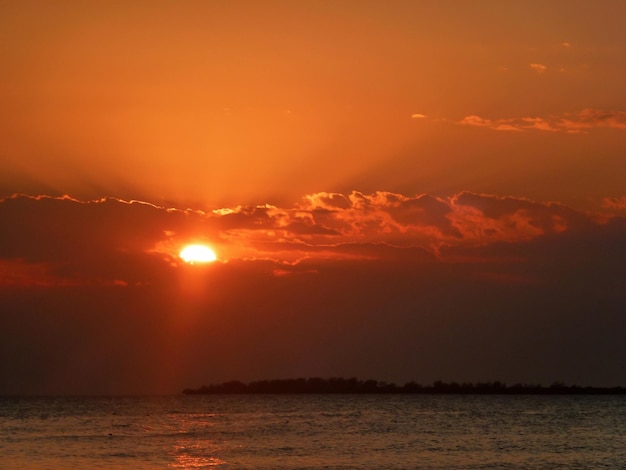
(314, 432)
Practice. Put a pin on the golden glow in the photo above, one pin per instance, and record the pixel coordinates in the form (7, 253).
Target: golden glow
(197, 254)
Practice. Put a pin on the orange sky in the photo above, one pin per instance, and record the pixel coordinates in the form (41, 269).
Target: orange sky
(221, 103)
(430, 177)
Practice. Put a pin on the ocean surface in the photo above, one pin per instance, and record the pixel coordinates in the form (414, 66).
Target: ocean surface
(314, 432)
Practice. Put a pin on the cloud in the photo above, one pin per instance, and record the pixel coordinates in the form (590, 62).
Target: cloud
(618, 203)
(418, 116)
(473, 120)
(592, 118)
(382, 284)
(91, 241)
(111, 242)
(501, 125)
(539, 68)
(116, 242)
(569, 122)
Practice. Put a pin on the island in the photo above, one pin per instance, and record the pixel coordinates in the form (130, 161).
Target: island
(340, 385)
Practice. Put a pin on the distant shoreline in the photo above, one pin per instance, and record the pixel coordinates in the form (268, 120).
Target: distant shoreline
(317, 385)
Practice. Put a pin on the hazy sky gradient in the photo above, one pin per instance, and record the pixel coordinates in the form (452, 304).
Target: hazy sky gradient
(406, 190)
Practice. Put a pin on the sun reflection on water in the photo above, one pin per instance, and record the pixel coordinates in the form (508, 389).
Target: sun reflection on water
(188, 455)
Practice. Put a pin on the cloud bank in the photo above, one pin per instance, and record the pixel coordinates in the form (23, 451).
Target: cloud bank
(112, 240)
(94, 299)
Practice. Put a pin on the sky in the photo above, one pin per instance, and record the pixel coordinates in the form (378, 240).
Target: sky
(407, 190)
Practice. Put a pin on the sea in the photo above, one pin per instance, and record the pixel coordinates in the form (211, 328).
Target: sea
(314, 432)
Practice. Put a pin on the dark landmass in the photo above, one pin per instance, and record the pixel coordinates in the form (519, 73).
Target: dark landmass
(354, 386)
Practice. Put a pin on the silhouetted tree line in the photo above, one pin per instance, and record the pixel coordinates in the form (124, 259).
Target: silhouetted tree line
(339, 385)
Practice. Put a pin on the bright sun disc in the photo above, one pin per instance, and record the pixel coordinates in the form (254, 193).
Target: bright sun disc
(197, 254)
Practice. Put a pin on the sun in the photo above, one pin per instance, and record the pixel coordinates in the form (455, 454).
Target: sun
(197, 254)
